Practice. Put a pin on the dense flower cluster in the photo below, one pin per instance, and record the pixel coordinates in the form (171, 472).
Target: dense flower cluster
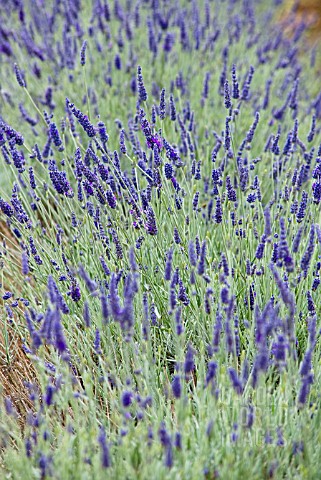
(161, 243)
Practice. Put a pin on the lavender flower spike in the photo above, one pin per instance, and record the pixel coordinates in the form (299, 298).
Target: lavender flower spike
(83, 54)
(150, 224)
(141, 87)
(19, 76)
(105, 455)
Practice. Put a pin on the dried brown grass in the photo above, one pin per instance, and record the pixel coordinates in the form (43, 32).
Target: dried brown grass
(16, 369)
(308, 11)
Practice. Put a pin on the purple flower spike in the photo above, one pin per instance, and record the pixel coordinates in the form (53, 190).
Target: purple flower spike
(127, 399)
(19, 76)
(82, 119)
(105, 455)
(6, 208)
(141, 87)
(176, 386)
(201, 265)
(189, 364)
(60, 341)
(307, 256)
(150, 224)
(235, 85)
(162, 105)
(236, 382)
(75, 291)
(192, 254)
(83, 54)
(97, 344)
(54, 134)
(86, 315)
(102, 132)
(168, 265)
(227, 98)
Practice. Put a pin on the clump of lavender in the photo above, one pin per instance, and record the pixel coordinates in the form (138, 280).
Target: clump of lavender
(159, 251)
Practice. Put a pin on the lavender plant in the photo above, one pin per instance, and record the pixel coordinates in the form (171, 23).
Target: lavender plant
(160, 194)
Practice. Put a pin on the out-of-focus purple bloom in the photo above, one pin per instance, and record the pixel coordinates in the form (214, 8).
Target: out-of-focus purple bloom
(169, 456)
(236, 382)
(201, 264)
(25, 264)
(211, 372)
(189, 364)
(178, 321)
(260, 249)
(105, 454)
(127, 398)
(217, 331)
(177, 238)
(50, 390)
(163, 435)
(297, 240)
(287, 297)
(191, 253)
(86, 314)
(182, 295)
(250, 417)
(267, 222)
(168, 42)
(10, 410)
(279, 349)
(176, 386)
(178, 441)
(97, 344)
(168, 265)
(7, 295)
(104, 307)
(312, 129)
(307, 256)
(60, 341)
(90, 284)
(172, 108)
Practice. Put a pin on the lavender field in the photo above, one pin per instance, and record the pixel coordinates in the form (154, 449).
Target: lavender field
(160, 248)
